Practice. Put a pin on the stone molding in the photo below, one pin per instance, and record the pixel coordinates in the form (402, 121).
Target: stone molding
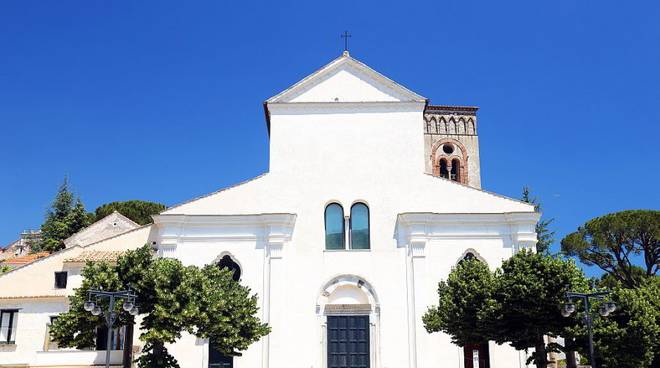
(412, 229)
(295, 108)
(274, 229)
(449, 124)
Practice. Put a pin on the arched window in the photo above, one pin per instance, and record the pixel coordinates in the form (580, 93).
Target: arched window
(334, 227)
(476, 352)
(359, 225)
(456, 170)
(228, 263)
(216, 358)
(469, 256)
(443, 169)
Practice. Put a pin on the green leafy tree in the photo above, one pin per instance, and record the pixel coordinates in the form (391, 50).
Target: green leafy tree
(609, 282)
(463, 306)
(65, 217)
(518, 304)
(138, 211)
(173, 299)
(612, 242)
(545, 236)
(630, 336)
(4, 268)
(531, 289)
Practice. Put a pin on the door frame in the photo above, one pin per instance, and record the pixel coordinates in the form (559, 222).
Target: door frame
(369, 330)
(372, 310)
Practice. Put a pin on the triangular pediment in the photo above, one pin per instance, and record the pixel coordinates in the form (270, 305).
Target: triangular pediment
(345, 79)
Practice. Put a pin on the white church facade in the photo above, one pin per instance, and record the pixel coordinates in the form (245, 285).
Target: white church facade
(371, 197)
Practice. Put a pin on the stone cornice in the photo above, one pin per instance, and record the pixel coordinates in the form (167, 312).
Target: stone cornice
(20, 297)
(286, 219)
(448, 110)
(343, 107)
(429, 218)
(414, 230)
(275, 229)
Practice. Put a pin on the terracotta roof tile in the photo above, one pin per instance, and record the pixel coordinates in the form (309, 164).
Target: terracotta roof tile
(19, 261)
(95, 256)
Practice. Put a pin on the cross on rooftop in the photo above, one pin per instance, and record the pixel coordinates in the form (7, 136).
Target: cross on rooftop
(345, 36)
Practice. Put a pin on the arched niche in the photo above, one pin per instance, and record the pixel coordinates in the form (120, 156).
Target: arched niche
(348, 290)
(348, 294)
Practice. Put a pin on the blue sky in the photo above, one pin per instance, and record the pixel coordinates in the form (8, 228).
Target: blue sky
(161, 100)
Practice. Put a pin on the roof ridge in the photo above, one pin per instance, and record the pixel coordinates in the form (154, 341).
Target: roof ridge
(98, 223)
(121, 215)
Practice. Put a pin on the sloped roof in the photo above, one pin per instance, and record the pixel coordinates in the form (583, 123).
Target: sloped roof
(345, 60)
(96, 231)
(23, 260)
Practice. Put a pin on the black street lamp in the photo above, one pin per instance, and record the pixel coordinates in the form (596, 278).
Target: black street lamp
(604, 310)
(110, 315)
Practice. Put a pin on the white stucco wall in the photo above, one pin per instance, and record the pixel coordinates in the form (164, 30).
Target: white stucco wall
(344, 153)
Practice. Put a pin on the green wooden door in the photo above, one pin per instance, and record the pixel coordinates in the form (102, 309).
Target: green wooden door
(348, 341)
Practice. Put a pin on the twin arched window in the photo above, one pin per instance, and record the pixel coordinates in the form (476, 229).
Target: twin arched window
(453, 171)
(335, 227)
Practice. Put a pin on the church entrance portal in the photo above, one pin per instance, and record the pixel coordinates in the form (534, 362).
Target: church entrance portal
(348, 341)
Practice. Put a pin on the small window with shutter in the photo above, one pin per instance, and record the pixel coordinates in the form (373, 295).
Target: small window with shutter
(8, 326)
(60, 280)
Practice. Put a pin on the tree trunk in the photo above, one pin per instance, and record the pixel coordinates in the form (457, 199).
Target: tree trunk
(159, 352)
(571, 361)
(128, 346)
(541, 355)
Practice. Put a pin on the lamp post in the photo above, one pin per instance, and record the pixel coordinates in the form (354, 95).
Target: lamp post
(110, 315)
(604, 310)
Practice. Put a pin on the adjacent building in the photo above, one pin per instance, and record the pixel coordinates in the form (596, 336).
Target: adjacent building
(22, 246)
(34, 293)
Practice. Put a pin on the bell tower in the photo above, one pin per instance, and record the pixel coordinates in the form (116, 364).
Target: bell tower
(451, 143)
